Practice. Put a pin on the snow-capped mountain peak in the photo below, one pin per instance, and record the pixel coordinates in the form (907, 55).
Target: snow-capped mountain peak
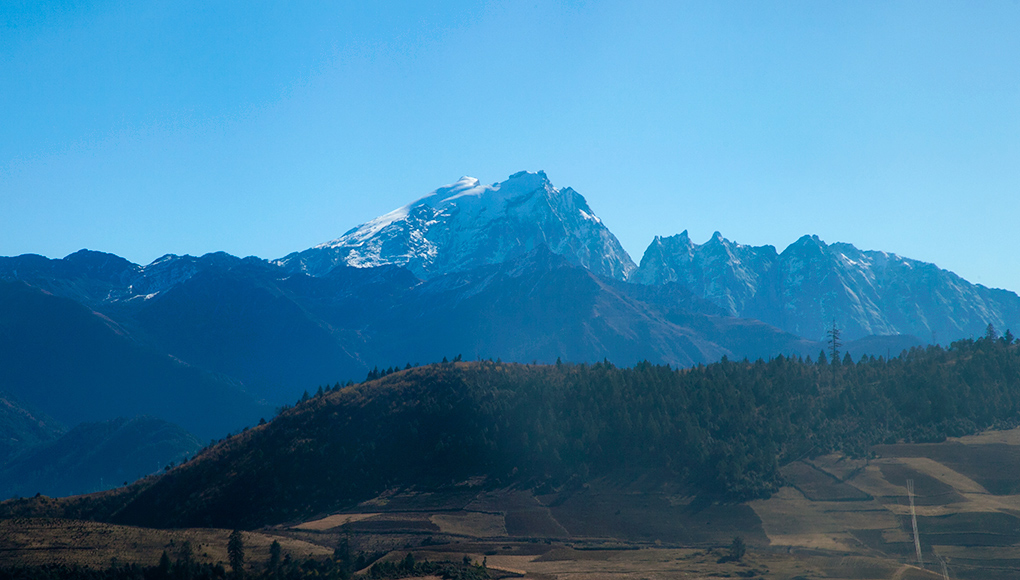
(466, 224)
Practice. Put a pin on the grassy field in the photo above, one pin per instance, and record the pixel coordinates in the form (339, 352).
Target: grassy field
(967, 498)
(48, 540)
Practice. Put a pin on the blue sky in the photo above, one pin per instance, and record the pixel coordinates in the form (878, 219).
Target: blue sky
(264, 128)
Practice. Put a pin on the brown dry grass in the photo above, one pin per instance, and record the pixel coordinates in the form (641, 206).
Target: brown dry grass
(45, 540)
(1007, 437)
(565, 563)
(333, 521)
(476, 524)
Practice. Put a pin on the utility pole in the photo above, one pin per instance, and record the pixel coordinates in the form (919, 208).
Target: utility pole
(834, 342)
(913, 522)
(945, 567)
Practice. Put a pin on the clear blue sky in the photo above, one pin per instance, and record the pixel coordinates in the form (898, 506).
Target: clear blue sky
(257, 128)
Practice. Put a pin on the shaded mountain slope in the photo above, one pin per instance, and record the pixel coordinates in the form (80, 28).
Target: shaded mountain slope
(279, 333)
(21, 428)
(274, 332)
(240, 322)
(541, 307)
(536, 307)
(76, 365)
(95, 456)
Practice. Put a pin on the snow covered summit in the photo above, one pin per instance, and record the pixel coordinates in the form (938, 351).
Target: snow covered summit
(466, 224)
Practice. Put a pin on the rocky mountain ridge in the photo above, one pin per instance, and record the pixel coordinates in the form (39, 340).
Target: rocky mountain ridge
(812, 284)
(803, 290)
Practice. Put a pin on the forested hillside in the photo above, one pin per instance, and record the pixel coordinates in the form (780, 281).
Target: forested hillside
(720, 430)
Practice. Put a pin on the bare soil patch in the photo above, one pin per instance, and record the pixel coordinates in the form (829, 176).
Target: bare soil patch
(409, 500)
(969, 529)
(927, 489)
(994, 466)
(509, 548)
(838, 465)
(818, 485)
(1005, 436)
(652, 517)
(396, 522)
(879, 540)
(534, 522)
(523, 515)
(477, 524)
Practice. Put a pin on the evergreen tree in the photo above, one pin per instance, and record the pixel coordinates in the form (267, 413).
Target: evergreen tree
(990, 332)
(185, 561)
(235, 553)
(834, 342)
(163, 570)
(274, 559)
(737, 549)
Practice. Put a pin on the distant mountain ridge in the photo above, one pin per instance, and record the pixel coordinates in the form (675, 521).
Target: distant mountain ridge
(811, 284)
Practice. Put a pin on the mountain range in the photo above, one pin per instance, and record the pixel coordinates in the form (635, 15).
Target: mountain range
(518, 270)
(811, 284)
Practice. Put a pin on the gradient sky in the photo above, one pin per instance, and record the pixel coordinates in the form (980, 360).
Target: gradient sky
(257, 128)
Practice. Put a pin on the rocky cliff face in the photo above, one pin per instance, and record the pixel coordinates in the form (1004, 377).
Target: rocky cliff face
(811, 284)
(466, 224)
(719, 270)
